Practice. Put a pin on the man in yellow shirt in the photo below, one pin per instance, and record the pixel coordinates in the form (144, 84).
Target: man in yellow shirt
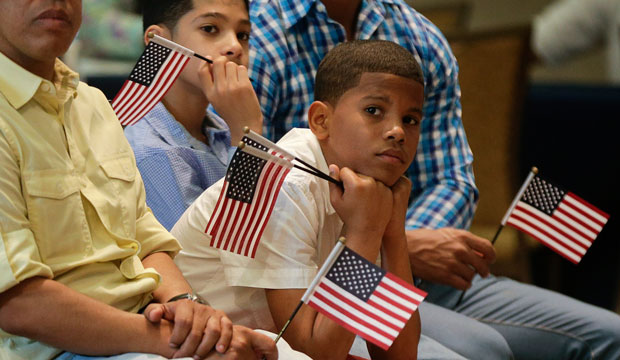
(80, 253)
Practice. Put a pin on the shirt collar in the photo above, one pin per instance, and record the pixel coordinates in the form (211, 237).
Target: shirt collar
(19, 85)
(295, 10)
(164, 124)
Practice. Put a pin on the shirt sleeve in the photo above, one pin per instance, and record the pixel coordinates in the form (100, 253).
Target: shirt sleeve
(444, 193)
(286, 256)
(152, 235)
(19, 255)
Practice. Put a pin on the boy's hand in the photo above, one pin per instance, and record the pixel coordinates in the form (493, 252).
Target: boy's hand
(197, 328)
(400, 195)
(364, 205)
(228, 88)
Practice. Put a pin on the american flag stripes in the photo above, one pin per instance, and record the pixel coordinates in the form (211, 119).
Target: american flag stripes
(559, 219)
(249, 193)
(364, 298)
(160, 64)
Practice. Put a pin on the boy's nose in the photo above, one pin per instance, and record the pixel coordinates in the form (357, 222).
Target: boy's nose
(395, 131)
(232, 48)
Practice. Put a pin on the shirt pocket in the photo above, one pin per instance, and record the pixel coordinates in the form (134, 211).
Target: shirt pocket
(119, 166)
(56, 215)
(115, 197)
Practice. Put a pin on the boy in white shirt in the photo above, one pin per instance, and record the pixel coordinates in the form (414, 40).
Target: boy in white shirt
(365, 125)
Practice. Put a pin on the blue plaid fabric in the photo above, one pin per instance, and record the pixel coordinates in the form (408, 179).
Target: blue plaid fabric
(176, 168)
(289, 41)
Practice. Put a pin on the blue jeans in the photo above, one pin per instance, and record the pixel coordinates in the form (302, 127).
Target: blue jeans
(500, 318)
(128, 356)
(428, 349)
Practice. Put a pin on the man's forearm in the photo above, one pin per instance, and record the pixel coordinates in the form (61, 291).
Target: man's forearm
(50, 312)
(173, 283)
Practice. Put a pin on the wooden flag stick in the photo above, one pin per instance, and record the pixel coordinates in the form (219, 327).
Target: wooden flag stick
(527, 182)
(322, 271)
(172, 44)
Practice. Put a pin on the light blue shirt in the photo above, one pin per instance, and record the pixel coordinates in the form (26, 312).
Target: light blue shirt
(175, 166)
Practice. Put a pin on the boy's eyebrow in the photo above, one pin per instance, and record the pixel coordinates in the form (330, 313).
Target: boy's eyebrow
(220, 16)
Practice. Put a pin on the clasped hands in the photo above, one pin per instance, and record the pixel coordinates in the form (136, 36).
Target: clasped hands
(200, 331)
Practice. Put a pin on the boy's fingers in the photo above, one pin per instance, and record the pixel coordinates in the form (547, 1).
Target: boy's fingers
(206, 76)
(335, 191)
(231, 72)
(242, 73)
(219, 71)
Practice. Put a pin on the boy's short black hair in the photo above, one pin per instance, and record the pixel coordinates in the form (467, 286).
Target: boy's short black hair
(342, 68)
(168, 12)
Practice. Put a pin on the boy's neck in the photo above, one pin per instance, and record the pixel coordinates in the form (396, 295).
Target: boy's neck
(188, 107)
(344, 12)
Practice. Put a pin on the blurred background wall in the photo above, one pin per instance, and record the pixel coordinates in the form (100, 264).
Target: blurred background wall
(493, 15)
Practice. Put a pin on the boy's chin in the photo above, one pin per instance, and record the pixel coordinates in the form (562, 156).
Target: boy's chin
(387, 179)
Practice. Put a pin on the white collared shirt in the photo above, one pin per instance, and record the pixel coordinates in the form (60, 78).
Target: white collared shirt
(297, 239)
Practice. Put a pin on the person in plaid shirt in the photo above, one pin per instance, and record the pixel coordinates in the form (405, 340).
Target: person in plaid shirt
(289, 38)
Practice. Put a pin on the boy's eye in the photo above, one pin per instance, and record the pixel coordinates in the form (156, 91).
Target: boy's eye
(373, 110)
(243, 36)
(209, 29)
(411, 120)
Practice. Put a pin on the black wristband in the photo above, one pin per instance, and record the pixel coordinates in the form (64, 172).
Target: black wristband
(189, 296)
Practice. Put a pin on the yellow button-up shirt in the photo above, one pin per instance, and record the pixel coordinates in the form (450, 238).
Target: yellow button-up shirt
(72, 203)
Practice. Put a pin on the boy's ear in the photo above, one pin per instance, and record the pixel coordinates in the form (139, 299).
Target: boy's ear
(156, 30)
(319, 119)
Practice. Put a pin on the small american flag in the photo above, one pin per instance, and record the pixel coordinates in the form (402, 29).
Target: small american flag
(559, 219)
(160, 64)
(248, 196)
(365, 299)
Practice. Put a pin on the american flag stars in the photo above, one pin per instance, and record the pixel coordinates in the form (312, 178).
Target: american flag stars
(149, 63)
(243, 175)
(356, 275)
(543, 195)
